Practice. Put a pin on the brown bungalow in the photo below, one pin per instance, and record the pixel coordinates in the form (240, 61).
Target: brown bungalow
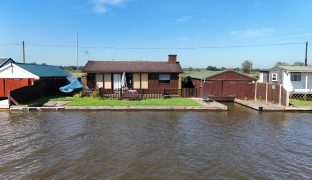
(151, 75)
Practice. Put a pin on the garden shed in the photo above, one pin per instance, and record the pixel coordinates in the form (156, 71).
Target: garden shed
(225, 86)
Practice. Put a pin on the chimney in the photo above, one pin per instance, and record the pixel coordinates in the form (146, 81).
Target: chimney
(172, 59)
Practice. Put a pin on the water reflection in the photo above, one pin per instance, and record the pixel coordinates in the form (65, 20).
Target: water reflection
(240, 143)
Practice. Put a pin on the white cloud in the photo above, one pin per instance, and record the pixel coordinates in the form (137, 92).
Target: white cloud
(252, 33)
(183, 19)
(101, 6)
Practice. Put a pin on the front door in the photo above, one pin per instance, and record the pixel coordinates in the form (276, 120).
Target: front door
(129, 80)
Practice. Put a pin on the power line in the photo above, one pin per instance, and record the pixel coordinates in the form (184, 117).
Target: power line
(177, 48)
(157, 48)
(11, 44)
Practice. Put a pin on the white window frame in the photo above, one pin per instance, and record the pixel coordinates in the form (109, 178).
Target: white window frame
(295, 74)
(274, 77)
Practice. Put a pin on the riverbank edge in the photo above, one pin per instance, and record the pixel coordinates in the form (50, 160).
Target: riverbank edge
(119, 108)
(204, 106)
(268, 107)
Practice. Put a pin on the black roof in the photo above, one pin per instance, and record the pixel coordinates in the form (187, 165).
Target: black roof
(5, 60)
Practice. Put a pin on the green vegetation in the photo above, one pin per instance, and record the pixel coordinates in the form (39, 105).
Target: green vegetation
(89, 101)
(299, 103)
(247, 66)
(199, 74)
(74, 73)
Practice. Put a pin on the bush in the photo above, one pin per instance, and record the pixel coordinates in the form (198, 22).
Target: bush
(95, 94)
(78, 95)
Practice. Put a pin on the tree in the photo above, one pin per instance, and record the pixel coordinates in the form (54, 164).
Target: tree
(281, 63)
(212, 68)
(298, 63)
(247, 66)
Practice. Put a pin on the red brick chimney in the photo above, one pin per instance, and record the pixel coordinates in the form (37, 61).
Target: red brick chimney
(172, 59)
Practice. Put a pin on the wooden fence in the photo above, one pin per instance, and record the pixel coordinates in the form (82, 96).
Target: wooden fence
(271, 93)
(245, 90)
(228, 88)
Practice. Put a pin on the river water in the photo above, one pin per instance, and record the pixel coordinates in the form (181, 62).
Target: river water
(238, 144)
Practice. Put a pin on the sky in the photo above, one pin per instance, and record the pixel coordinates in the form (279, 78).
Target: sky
(201, 33)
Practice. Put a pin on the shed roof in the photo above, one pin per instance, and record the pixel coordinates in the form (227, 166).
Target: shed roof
(44, 70)
(131, 66)
(230, 75)
(297, 68)
(205, 74)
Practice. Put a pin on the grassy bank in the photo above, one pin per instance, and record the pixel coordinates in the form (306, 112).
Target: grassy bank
(299, 103)
(89, 101)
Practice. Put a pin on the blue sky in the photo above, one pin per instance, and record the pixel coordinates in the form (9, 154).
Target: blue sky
(200, 32)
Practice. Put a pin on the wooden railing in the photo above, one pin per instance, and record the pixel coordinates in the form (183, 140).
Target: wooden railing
(146, 93)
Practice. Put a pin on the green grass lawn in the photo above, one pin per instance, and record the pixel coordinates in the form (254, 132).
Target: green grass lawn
(89, 101)
(299, 103)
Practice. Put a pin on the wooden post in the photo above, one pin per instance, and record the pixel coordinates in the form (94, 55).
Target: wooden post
(306, 55)
(280, 95)
(266, 92)
(23, 52)
(9, 100)
(306, 82)
(256, 87)
(103, 81)
(287, 98)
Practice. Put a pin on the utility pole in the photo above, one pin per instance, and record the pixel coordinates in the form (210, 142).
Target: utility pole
(306, 54)
(77, 54)
(23, 43)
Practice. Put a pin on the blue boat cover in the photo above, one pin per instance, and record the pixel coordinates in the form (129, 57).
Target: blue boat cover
(73, 85)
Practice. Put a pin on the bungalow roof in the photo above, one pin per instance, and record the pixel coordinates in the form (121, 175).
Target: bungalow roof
(131, 67)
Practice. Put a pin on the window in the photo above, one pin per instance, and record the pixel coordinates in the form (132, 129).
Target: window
(295, 76)
(164, 78)
(274, 77)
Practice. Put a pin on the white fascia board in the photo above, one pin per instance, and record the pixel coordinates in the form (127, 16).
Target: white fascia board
(6, 72)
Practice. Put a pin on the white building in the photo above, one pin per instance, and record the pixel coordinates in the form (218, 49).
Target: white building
(293, 78)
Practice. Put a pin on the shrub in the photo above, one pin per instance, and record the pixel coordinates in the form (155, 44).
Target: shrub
(78, 95)
(95, 94)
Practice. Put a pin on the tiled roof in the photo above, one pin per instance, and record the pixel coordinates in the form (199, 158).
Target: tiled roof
(44, 70)
(297, 68)
(131, 67)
